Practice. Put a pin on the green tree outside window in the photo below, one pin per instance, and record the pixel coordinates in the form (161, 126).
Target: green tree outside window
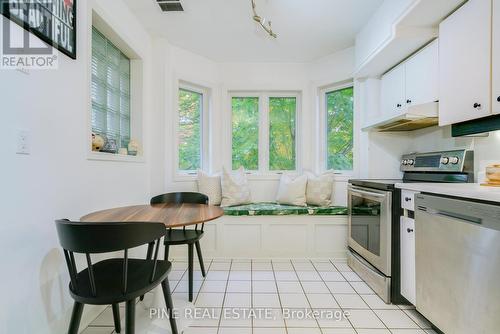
(245, 132)
(189, 133)
(339, 115)
(282, 127)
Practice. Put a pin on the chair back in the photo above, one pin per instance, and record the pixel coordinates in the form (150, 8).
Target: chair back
(180, 198)
(93, 238)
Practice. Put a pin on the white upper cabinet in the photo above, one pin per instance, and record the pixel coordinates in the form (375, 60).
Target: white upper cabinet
(412, 83)
(392, 98)
(465, 63)
(422, 71)
(496, 58)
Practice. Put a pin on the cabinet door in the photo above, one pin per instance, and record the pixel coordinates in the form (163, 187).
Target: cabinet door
(464, 63)
(496, 57)
(407, 235)
(393, 92)
(422, 72)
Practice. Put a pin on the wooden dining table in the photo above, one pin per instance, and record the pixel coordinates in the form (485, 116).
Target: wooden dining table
(171, 215)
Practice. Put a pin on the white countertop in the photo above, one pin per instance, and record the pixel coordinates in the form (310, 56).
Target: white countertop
(465, 190)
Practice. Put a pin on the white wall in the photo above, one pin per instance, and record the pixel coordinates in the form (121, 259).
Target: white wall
(486, 149)
(379, 29)
(57, 180)
(224, 77)
(382, 152)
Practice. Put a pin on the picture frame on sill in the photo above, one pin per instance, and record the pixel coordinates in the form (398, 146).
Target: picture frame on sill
(54, 22)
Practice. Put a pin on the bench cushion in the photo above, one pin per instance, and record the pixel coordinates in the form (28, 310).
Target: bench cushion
(273, 209)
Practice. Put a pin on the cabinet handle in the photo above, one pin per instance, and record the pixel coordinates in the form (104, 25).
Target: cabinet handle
(409, 230)
(407, 199)
(498, 99)
(477, 105)
(408, 101)
(399, 105)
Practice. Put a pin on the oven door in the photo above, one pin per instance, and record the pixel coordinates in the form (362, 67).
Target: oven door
(370, 226)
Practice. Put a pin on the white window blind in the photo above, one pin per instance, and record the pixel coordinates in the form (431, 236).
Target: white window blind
(110, 91)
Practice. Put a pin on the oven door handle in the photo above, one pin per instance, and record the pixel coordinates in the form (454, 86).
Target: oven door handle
(367, 193)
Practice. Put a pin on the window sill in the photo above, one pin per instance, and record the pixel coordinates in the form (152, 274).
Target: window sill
(103, 156)
(343, 177)
(185, 177)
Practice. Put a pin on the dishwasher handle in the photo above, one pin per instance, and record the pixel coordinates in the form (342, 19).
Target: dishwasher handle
(452, 215)
(463, 210)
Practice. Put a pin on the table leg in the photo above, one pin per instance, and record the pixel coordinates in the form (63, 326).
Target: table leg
(190, 269)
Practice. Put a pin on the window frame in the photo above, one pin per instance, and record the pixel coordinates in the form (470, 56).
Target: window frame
(99, 19)
(264, 125)
(323, 149)
(120, 111)
(204, 128)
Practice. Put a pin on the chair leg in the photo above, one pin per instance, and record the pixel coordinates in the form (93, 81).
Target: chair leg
(170, 306)
(190, 270)
(200, 258)
(116, 317)
(76, 316)
(167, 247)
(149, 254)
(130, 317)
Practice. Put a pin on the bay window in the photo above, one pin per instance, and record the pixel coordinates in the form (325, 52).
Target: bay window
(338, 111)
(191, 128)
(264, 131)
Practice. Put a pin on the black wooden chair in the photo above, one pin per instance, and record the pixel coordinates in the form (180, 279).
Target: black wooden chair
(116, 280)
(190, 237)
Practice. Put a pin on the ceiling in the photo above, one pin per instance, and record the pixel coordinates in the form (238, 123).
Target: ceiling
(223, 30)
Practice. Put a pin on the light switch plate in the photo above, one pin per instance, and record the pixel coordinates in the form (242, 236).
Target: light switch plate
(23, 142)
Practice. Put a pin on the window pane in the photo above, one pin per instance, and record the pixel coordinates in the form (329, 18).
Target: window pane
(245, 124)
(190, 104)
(339, 114)
(110, 90)
(282, 133)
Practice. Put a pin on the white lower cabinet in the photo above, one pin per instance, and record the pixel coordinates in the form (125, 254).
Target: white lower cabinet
(407, 235)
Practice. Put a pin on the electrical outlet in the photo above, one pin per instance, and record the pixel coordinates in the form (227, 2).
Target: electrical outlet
(23, 142)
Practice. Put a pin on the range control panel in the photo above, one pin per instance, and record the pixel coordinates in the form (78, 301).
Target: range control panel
(445, 161)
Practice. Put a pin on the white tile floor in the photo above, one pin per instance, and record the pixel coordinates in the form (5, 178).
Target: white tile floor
(283, 288)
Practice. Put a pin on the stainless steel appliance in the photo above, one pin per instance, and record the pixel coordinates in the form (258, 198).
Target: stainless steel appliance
(458, 264)
(375, 210)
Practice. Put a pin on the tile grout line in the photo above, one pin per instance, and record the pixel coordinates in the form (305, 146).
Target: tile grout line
(203, 281)
(305, 295)
(225, 293)
(251, 288)
(330, 292)
(278, 293)
(343, 310)
(374, 309)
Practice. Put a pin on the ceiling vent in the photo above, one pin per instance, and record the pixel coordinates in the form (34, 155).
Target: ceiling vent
(170, 5)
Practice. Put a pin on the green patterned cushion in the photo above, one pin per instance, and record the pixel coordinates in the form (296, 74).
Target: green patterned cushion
(273, 209)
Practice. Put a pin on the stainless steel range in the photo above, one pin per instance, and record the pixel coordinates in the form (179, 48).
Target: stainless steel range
(374, 211)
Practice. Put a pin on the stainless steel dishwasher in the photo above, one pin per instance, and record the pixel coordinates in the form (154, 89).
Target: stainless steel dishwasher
(458, 264)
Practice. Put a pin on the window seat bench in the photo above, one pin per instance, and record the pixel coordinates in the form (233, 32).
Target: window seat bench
(267, 230)
(273, 209)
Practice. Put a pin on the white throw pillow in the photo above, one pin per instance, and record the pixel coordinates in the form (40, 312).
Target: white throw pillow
(210, 185)
(235, 188)
(319, 189)
(292, 191)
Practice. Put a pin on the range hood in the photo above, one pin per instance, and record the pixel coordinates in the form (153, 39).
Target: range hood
(414, 118)
(476, 126)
